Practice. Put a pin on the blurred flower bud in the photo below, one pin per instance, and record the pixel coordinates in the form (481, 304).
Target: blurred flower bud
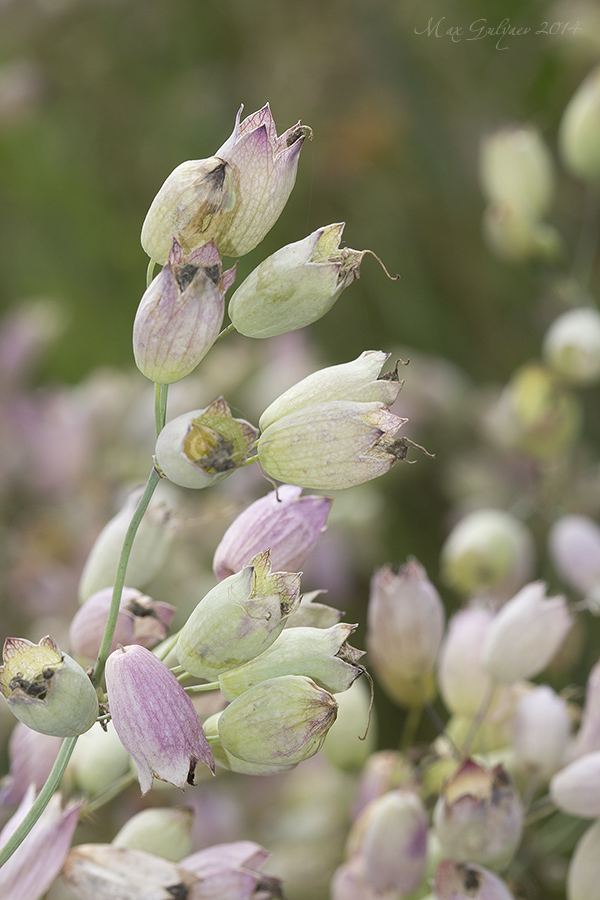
(154, 718)
(345, 746)
(525, 634)
(232, 871)
(463, 681)
(319, 653)
(280, 721)
(203, 446)
(179, 316)
(579, 134)
(359, 380)
(516, 169)
(466, 881)
(31, 758)
(350, 882)
(140, 620)
(296, 285)
(583, 875)
(34, 865)
(238, 619)
(488, 550)
(479, 816)
(516, 237)
(309, 614)
(405, 627)
(227, 760)
(165, 832)
(98, 760)
(588, 736)
(576, 788)
(572, 346)
(282, 521)
(574, 546)
(541, 727)
(46, 689)
(148, 554)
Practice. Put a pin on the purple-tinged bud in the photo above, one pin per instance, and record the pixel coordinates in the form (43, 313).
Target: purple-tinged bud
(154, 718)
(238, 619)
(140, 620)
(232, 871)
(541, 728)
(588, 736)
(572, 346)
(583, 876)
(227, 760)
(201, 447)
(467, 881)
(46, 689)
(283, 521)
(34, 865)
(191, 206)
(488, 550)
(405, 627)
(263, 171)
(31, 757)
(462, 679)
(350, 882)
(282, 721)
(296, 285)
(359, 380)
(479, 816)
(579, 134)
(384, 770)
(574, 545)
(165, 832)
(525, 634)
(309, 614)
(98, 761)
(180, 315)
(148, 554)
(576, 788)
(322, 654)
(332, 446)
(516, 170)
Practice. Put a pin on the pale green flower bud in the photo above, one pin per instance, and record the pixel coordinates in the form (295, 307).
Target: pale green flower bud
(296, 285)
(230, 762)
(579, 134)
(516, 237)
(313, 615)
(353, 736)
(46, 689)
(583, 875)
(280, 721)
(238, 619)
(516, 170)
(319, 653)
(359, 380)
(193, 204)
(572, 346)
(201, 447)
(98, 760)
(164, 832)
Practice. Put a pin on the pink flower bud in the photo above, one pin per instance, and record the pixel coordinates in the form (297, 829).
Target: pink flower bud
(583, 876)
(526, 634)
(463, 681)
(154, 718)
(31, 757)
(232, 871)
(479, 816)
(467, 881)
(541, 727)
(140, 621)
(574, 545)
(405, 626)
(283, 521)
(576, 788)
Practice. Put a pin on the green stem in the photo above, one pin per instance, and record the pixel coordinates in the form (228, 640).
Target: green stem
(41, 801)
(109, 794)
(120, 576)
(150, 272)
(160, 406)
(410, 727)
(198, 688)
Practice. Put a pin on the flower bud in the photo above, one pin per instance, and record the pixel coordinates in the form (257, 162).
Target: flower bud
(46, 689)
(588, 736)
(201, 447)
(140, 620)
(516, 237)
(479, 816)
(227, 760)
(232, 871)
(179, 316)
(574, 545)
(154, 718)
(467, 881)
(516, 169)
(583, 875)
(309, 614)
(98, 760)
(350, 882)
(463, 681)
(384, 770)
(280, 721)
(572, 346)
(579, 133)
(360, 381)
(526, 634)
(238, 619)
(148, 554)
(296, 285)
(488, 550)
(318, 653)
(576, 788)
(164, 832)
(192, 205)
(283, 521)
(31, 758)
(405, 627)
(541, 728)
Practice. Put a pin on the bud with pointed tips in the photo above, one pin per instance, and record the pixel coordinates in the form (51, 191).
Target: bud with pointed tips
(468, 881)
(227, 760)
